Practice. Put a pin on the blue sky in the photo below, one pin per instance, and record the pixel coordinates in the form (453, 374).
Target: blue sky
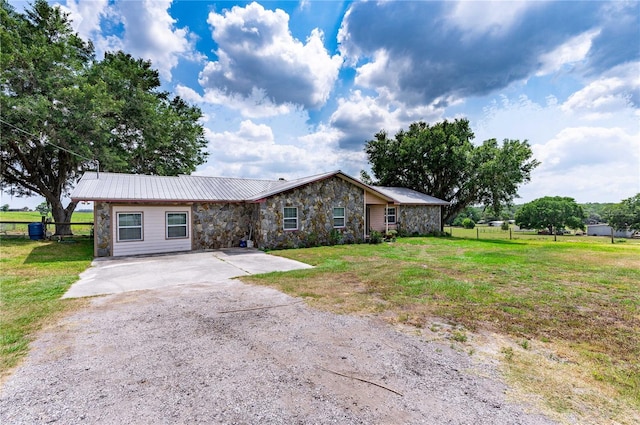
(291, 89)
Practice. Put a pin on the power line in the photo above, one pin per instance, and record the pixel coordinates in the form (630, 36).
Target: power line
(52, 144)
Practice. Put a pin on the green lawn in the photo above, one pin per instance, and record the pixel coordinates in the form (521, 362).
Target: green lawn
(34, 276)
(568, 307)
(563, 317)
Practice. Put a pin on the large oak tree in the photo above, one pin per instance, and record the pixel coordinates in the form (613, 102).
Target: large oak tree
(442, 161)
(62, 111)
(551, 213)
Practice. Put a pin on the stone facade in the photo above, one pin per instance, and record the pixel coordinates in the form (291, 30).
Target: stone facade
(419, 219)
(222, 225)
(315, 203)
(102, 229)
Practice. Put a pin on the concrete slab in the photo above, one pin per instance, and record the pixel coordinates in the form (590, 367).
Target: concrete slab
(115, 275)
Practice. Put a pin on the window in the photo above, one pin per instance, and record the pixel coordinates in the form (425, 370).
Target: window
(129, 226)
(338, 217)
(390, 217)
(290, 218)
(177, 225)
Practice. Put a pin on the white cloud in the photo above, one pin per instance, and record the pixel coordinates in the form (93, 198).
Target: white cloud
(360, 116)
(258, 57)
(487, 17)
(255, 105)
(86, 16)
(572, 51)
(252, 151)
(576, 147)
(608, 94)
(592, 161)
(149, 31)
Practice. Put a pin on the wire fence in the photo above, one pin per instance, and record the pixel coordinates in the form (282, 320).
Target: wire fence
(497, 233)
(21, 228)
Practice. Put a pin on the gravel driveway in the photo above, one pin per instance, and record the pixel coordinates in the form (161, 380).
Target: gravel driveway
(204, 353)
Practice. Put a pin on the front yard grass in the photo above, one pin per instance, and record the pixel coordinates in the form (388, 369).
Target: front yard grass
(35, 274)
(565, 316)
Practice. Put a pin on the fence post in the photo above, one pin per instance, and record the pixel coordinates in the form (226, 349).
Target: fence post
(477, 233)
(612, 235)
(510, 234)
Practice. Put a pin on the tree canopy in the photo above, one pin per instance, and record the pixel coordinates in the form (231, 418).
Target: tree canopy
(625, 215)
(62, 110)
(442, 161)
(552, 213)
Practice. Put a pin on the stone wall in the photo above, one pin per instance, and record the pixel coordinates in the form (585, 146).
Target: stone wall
(102, 229)
(315, 203)
(222, 225)
(419, 219)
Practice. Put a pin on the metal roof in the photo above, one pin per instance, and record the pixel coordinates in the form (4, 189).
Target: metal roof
(144, 188)
(408, 196)
(137, 187)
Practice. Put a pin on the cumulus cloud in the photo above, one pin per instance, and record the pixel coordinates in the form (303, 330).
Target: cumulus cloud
(593, 160)
(255, 105)
(85, 16)
(617, 42)
(146, 30)
(605, 96)
(425, 53)
(258, 57)
(252, 151)
(573, 51)
(494, 18)
(151, 33)
(358, 117)
(587, 146)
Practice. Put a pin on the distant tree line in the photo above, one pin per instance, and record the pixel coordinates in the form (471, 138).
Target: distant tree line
(595, 213)
(622, 216)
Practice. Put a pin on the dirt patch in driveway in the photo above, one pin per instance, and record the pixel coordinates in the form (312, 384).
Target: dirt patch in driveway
(211, 354)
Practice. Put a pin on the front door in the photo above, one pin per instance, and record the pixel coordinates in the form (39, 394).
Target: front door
(367, 220)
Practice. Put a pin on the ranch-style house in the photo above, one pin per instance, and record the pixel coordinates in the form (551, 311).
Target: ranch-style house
(141, 214)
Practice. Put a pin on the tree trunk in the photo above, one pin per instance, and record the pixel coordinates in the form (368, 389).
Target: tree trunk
(62, 215)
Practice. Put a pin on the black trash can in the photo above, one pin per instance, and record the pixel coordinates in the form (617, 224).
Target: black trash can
(36, 231)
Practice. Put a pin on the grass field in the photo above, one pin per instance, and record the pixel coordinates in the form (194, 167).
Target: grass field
(35, 217)
(34, 276)
(563, 317)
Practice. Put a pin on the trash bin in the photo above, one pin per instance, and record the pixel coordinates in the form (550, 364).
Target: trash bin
(36, 231)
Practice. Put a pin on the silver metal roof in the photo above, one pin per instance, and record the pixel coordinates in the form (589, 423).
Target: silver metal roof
(143, 188)
(136, 187)
(408, 196)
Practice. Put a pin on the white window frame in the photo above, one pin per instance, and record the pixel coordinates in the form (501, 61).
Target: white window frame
(342, 217)
(387, 215)
(289, 220)
(118, 226)
(185, 225)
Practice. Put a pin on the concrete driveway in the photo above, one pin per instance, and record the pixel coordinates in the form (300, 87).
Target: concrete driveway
(116, 275)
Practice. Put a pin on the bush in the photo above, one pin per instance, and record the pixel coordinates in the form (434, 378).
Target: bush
(504, 225)
(375, 237)
(335, 237)
(468, 223)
